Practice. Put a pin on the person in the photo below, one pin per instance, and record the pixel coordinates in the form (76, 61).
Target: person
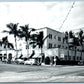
(55, 61)
(9, 58)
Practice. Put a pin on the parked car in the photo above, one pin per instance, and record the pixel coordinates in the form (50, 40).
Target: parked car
(30, 61)
(80, 62)
(19, 61)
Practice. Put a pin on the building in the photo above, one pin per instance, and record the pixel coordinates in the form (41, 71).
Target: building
(54, 46)
(7, 51)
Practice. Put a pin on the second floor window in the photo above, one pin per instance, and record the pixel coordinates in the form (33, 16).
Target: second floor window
(59, 46)
(59, 38)
(54, 45)
(50, 36)
(50, 45)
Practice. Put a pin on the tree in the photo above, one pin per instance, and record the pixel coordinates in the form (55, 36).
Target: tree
(38, 40)
(71, 41)
(7, 44)
(71, 34)
(24, 32)
(13, 30)
(74, 42)
(81, 37)
(66, 39)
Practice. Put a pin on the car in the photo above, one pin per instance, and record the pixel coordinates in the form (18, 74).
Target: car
(30, 62)
(80, 62)
(19, 61)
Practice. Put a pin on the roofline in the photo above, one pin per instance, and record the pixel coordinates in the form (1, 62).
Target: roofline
(50, 29)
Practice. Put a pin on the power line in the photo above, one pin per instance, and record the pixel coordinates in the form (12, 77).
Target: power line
(67, 15)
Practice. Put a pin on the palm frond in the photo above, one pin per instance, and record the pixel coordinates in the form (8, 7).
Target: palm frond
(5, 31)
(27, 27)
(10, 25)
(32, 42)
(10, 45)
(15, 26)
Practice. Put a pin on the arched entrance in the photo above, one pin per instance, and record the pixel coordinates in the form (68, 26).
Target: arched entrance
(47, 60)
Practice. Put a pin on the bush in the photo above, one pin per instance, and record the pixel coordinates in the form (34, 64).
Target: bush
(66, 62)
(47, 60)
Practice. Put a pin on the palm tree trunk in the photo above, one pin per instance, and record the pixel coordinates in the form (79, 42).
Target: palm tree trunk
(81, 52)
(6, 51)
(16, 47)
(75, 54)
(27, 48)
(68, 51)
(41, 51)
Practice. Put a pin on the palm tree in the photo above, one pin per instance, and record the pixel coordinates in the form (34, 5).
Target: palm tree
(7, 44)
(73, 42)
(24, 32)
(81, 37)
(70, 40)
(66, 39)
(13, 30)
(75, 46)
(39, 41)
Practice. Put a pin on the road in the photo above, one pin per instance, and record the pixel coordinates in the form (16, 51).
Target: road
(28, 73)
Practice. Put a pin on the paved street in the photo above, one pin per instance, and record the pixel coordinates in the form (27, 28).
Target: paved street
(28, 73)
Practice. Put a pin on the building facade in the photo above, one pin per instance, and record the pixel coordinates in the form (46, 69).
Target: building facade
(54, 46)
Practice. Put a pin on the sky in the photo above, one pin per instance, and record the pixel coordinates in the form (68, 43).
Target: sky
(42, 14)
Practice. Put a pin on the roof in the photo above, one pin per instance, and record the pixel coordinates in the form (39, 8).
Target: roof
(50, 29)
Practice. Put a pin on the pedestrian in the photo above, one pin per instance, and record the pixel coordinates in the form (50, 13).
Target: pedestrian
(55, 60)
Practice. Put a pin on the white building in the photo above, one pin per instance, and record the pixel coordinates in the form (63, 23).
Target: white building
(54, 46)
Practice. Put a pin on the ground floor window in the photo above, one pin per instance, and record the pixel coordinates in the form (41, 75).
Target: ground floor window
(65, 57)
(5, 56)
(73, 57)
(69, 57)
(1, 57)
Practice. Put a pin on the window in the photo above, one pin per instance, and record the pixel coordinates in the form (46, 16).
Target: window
(74, 58)
(50, 36)
(55, 37)
(66, 47)
(0, 55)
(62, 46)
(59, 46)
(78, 58)
(5, 56)
(69, 57)
(65, 57)
(59, 38)
(50, 45)
(54, 45)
